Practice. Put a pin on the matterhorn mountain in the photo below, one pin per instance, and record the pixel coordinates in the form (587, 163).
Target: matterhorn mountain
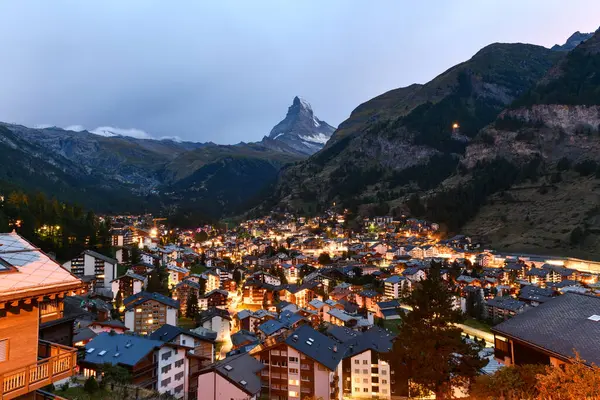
(300, 130)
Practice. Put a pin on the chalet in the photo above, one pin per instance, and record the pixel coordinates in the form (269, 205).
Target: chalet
(217, 320)
(235, 377)
(32, 288)
(183, 291)
(551, 333)
(213, 280)
(299, 295)
(257, 293)
(270, 328)
(200, 352)
(153, 364)
(128, 284)
(146, 312)
(305, 357)
(414, 274)
(176, 274)
(215, 298)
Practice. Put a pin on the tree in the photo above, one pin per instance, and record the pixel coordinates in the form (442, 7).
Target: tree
(191, 310)
(115, 374)
(119, 300)
(574, 380)
(91, 385)
(158, 281)
(200, 237)
(510, 383)
(430, 351)
(135, 256)
(324, 259)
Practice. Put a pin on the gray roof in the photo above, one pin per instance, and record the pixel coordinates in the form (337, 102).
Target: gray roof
(100, 256)
(560, 326)
(317, 346)
(243, 336)
(167, 333)
(271, 326)
(83, 335)
(241, 370)
(375, 338)
(534, 293)
(142, 297)
(506, 303)
(119, 349)
(395, 279)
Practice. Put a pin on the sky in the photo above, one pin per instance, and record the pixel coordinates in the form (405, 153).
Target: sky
(226, 71)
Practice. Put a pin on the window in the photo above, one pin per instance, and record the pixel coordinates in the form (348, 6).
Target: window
(294, 382)
(365, 390)
(3, 350)
(365, 381)
(294, 371)
(357, 371)
(294, 359)
(357, 389)
(321, 368)
(165, 369)
(365, 371)
(365, 362)
(356, 380)
(293, 393)
(179, 363)
(356, 361)
(384, 382)
(179, 389)
(167, 355)
(179, 376)
(383, 372)
(165, 382)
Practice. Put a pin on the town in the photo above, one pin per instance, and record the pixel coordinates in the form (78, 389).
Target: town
(281, 307)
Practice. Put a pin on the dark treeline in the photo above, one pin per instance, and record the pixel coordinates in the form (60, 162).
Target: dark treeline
(60, 228)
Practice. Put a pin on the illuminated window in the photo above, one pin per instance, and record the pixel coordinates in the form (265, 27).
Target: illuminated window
(293, 393)
(294, 382)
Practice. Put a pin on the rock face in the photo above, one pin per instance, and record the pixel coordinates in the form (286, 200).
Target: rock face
(300, 130)
(573, 41)
(404, 141)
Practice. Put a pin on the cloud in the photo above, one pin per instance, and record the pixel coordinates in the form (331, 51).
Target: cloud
(113, 131)
(74, 128)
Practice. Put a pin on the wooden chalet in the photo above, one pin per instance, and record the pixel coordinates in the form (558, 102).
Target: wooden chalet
(32, 289)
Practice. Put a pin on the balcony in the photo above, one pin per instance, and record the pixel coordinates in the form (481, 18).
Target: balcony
(55, 362)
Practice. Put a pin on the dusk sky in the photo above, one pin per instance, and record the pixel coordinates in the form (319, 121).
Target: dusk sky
(226, 71)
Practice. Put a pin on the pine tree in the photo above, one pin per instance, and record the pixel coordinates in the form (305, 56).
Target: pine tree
(119, 300)
(191, 310)
(429, 351)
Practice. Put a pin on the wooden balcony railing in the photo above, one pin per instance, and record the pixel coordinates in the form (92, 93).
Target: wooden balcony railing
(56, 362)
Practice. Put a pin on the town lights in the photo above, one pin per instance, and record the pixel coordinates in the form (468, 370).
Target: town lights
(153, 232)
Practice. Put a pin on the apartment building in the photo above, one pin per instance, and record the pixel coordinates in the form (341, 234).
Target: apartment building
(303, 363)
(364, 373)
(153, 364)
(91, 263)
(32, 288)
(146, 312)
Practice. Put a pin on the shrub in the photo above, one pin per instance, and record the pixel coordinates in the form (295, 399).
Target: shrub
(91, 385)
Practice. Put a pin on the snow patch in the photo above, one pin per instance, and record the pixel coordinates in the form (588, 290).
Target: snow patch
(320, 138)
(317, 124)
(175, 139)
(304, 103)
(280, 134)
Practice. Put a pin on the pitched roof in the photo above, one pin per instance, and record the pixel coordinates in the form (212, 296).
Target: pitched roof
(317, 346)
(375, 338)
(560, 326)
(142, 297)
(119, 349)
(24, 267)
(102, 257)
(167, 333)
(243, 336)
(271, 326)
(241, 370)
(506, 303)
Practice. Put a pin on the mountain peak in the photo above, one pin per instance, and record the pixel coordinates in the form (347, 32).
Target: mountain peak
(301, 129)
(573, 41)
(302, 103)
